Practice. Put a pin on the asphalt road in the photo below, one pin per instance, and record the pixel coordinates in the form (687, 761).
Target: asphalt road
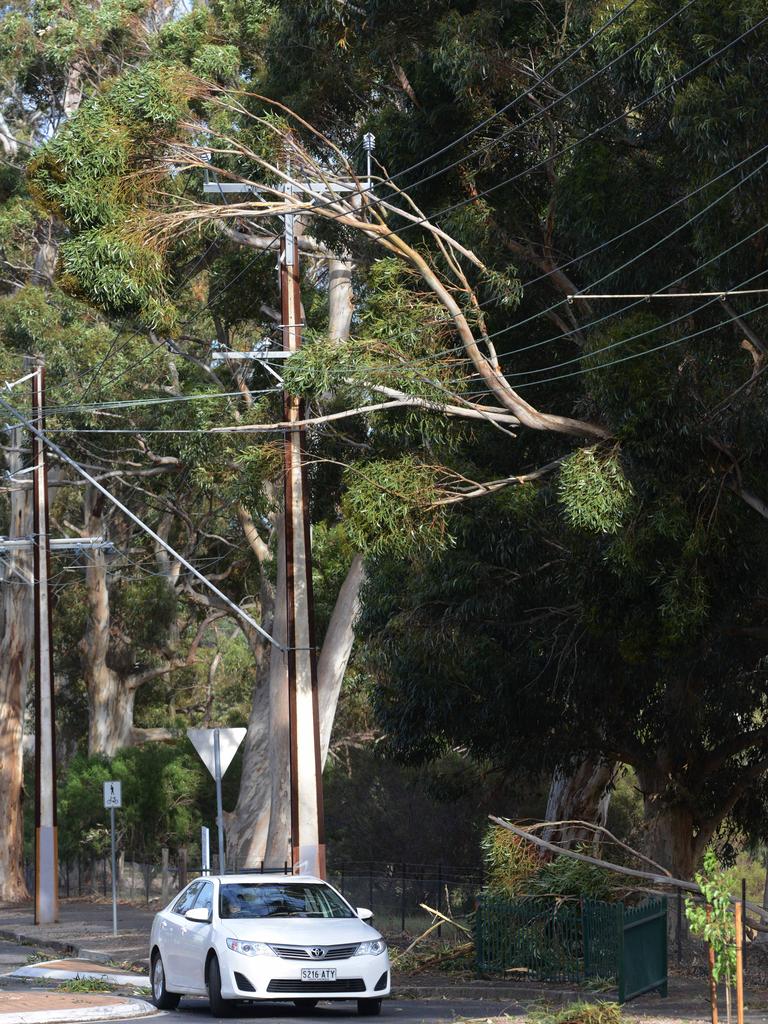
(405, 1011)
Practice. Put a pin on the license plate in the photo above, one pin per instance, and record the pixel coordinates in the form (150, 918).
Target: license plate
(318, 974)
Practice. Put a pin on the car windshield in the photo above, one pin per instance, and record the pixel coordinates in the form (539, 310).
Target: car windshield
(276, 899)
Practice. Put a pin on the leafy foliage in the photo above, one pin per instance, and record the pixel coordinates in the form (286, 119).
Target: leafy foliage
(712, 919)
(594, 493)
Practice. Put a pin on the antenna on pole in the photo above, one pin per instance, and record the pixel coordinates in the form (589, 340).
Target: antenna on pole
(369, 145)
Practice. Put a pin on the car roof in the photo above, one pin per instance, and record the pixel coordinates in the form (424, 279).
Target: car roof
(257, 878)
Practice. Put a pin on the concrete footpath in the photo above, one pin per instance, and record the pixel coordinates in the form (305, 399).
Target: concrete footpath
(40, 1001)
(84, 934)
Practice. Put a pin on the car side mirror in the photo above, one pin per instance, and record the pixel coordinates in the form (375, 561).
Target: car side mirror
(199, 915)
(364, 914)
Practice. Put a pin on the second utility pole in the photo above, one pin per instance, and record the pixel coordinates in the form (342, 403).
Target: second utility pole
(46, 831)
(307, 820)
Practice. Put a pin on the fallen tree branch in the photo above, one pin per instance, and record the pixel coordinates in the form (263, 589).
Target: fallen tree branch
(619, 869)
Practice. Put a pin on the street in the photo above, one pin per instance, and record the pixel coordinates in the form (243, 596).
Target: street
(405, 1011)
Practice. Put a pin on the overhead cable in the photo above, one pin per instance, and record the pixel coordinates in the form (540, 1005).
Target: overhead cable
(232, 605)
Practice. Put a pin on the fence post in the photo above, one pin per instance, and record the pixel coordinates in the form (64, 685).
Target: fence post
(370, 886)
(164, 876)
(439, 897)
(679, 927)
(402, 898)
(620, 948)
(182, 866)
(744, 921)
(105, 876)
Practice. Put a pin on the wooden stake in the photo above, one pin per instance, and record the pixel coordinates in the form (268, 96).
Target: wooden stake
(712, 982)
(739, 964)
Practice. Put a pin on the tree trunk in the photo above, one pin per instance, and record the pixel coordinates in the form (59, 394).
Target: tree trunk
(16, 643)
(73, 90)
(248, 825)
(670, 837)
(340, 301)
(110, 707)
(278, 848)
(337, 647)
(111, 695)
(579, 793)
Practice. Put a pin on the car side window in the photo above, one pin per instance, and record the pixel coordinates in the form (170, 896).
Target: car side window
(205, 898)
(187, 899)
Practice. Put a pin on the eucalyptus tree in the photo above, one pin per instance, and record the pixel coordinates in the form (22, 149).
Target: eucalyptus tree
(420, 414)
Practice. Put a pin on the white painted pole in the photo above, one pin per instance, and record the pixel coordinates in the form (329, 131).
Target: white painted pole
(205, 850)
(219, 803)
(114, 871)
(46, 832)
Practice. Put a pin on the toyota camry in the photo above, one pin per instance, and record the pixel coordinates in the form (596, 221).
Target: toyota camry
(295, 938)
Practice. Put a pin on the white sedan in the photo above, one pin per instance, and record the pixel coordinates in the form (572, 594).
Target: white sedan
(234, 937)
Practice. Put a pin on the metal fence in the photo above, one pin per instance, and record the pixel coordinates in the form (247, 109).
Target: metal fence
(575, 941)
(393, 891)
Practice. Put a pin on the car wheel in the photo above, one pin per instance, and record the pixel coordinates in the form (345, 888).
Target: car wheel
(161, 997)
(220, 1007)
(305, 1004)
(369, 1007)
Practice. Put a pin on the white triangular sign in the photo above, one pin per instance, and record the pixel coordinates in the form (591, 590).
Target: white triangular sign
(229, 741)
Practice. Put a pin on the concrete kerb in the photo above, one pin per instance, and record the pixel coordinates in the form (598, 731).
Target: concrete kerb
(32, 1009)
(57, 946)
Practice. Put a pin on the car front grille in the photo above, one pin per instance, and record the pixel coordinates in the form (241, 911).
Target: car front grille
(305, 952)
(316, 987)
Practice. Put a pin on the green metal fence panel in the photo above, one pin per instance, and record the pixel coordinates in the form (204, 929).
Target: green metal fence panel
(551, 940)
(565, 941)
(644, 950)
(602, 924)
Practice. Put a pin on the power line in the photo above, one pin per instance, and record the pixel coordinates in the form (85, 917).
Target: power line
(523, 95)
(645, 352)
(562, 302)
(585, 138)
(327, 204)
(647, 296)
(128, 403)
(240, 612)
(543, 110)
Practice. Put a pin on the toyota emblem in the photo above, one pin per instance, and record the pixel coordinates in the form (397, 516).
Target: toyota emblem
(316, 952)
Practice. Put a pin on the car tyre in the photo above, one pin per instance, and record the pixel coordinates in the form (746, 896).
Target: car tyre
(369, 1007)
(161, 997)
(305, 1004)
(220, 1007)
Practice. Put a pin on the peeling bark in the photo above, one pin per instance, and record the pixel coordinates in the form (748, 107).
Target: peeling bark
(341, 306)
(73, 91)
(111, 695)
(337, 647)
(671, 836)
(580, 793)
(16, 629)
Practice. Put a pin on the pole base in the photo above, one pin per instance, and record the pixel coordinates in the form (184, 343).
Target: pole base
(46, 874)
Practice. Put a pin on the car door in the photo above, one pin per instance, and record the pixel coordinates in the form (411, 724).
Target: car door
(194, 942)
(172, 935)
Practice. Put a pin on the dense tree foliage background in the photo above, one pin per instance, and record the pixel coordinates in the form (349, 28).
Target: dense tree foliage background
(610, 607)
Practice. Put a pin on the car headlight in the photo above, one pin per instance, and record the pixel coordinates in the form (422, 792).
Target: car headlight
(372, 948)
(249, 948)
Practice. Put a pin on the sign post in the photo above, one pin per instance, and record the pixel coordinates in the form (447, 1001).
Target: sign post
(113, 797)
(216, 748)
(205, 850)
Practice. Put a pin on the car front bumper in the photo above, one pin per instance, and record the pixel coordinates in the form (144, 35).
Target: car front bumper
(267, 977)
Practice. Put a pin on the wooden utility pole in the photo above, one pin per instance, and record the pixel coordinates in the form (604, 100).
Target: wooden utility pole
(306, 787)
(739, 929)
(46, 830)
